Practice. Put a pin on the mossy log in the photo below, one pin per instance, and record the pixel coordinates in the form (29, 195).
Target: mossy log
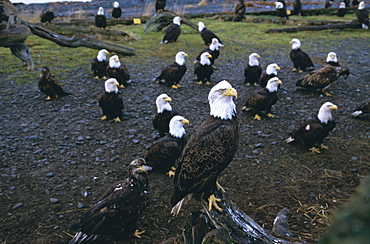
(78, 40)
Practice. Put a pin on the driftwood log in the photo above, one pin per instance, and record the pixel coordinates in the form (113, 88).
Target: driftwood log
(13, 34)
(352, 25)
(78, 40)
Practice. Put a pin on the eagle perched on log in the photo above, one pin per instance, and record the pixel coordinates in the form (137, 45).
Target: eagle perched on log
(209, 150)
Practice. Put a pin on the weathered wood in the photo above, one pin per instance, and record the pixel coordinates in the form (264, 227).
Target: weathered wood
(78, 40)
(14, 36)
(162, 19)
(318, 27)
(240, 228)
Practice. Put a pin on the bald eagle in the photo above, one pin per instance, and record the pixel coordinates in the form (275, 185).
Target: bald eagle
(204, 69)
(47, 17)
(209, 150)
(312, 132)
(206, 34)
(99, 64)
(173, 31)
(364, 108)
(362, 15)
(100, 19)
(281, 10)
(263, 99)
(118, 70)
(253, 70)
(117, 11)
(300, 59)
(213, 50)
(173, 73)
(271, 71)
(165, 113)
(164, 152)
(159, 5)
(118, 208)
(322, 78)
(49, 85)
(342, 10)
(239, 11)
(110, 102)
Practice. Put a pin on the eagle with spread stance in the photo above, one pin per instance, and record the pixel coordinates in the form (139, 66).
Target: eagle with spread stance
(209, 150)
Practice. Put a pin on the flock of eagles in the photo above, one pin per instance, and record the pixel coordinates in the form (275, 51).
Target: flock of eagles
(212, 146)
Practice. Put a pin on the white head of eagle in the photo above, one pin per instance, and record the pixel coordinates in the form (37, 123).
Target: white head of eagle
(325, 112)
(177, 126)
(111, 85)
(253, 59)
(102, 55)
(295, 43)
(163, 103)
(114, 62)
(115, 4)
(180, 58)
(101, 11)
(332, 57)
(176, 20)
(221, 102)
(201, 26)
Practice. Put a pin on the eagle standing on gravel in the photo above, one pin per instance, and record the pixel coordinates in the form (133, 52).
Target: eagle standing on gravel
(253, 70)
(322, 78)
(362, 15)
(118, 208)
(301, 60)
(164, 152)
(204, 69)
(118, 70)
(161, 120)
(271, 72)
(99, 65)
(206, 34)
(110, 102)
(173, 73)
(209, 150)
(49, 85)
(263, 99)
(173, 31)
(312, 132)
(100, 19)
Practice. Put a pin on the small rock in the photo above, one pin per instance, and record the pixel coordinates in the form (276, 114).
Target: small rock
(18, 205)
(54, 200)
(49, 175)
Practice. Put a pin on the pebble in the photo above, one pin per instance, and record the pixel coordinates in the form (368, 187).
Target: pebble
(49, 175)
(18, 205)
(80, 205)
(54, 200)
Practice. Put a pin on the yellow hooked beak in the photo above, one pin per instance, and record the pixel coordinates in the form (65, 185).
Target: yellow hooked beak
(231, 92)
(116, 83)
(167, 99)
(209, 56)
(333, 106)
(279, 82)
(185, 121)
(277, 67)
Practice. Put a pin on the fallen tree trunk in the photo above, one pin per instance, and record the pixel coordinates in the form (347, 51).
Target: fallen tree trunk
(162, 19)
(78, 40)
(318, 27)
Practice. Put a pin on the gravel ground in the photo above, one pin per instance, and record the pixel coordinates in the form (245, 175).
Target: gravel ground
(57, 157)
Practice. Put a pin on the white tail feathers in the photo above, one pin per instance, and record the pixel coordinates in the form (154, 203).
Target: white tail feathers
(244, 108)
(289, 140)
(356, 113)
(176, 209)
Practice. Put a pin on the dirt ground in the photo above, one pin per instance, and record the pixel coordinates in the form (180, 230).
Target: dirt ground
(60, 151)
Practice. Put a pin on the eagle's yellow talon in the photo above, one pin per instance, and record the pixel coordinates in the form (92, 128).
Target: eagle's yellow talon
(294, 70)
(117, 119)
(212, 201)
(219, 187)
(138, 233)
(174, 87)
(270, 115)
(103, 118)
(323, 147)
(48, 98)
(314, 150)
(122, 86)
(171, 172)
(208, 83)
(96, 77)
(178, 85)
(257, 117)
(104, 77)
(199, 82)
